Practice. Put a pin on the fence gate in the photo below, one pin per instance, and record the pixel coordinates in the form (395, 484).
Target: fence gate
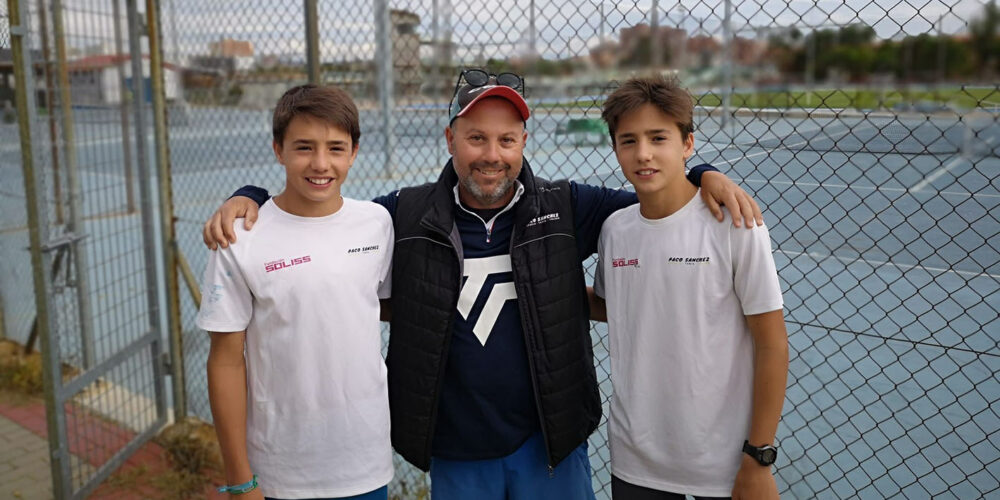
(87, 173)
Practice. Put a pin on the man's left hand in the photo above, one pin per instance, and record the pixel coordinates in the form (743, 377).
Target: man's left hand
(754, 482)
(717, 189)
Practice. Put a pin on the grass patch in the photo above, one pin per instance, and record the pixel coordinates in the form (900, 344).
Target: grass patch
(167, 484)
(192, 463)
(191, 446)
(960, 98)
(857, 99)
(20, 373)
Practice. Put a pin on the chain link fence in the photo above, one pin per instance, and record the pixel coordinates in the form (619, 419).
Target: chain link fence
(869, 132)
(77, 230)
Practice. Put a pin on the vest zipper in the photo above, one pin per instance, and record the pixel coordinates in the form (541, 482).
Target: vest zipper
(447, 347)
(531, 361)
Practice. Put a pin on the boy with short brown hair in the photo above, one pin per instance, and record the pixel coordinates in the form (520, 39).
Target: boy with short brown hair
(304, 412)
(698, 347)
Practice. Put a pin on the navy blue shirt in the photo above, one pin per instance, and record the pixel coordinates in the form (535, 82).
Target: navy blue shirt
(487, 407)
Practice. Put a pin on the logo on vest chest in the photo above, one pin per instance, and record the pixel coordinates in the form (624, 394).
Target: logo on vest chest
(477, 271)
(542, 219)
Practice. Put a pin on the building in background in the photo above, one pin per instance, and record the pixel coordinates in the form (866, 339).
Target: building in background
(239, 52)
(94, 79)
(405, 41)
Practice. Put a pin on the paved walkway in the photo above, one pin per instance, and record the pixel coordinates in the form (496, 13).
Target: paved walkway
(25, 473)
(24, 463)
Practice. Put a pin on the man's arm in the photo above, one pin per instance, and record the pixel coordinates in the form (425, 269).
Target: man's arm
(770, 342)
(227, 395)
(717, 189)
(218, 229)
(245, 202)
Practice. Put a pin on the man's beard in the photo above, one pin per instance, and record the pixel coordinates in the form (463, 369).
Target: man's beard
(488, 198)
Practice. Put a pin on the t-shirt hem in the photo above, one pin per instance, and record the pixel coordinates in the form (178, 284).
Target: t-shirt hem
(700, 491)
(761, 309)
(359, 489)
(220, 327)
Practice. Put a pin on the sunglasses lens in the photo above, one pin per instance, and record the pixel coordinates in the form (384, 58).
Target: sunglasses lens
(476, 78)
(509, 80)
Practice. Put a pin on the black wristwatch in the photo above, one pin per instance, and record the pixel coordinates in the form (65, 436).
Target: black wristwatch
(764, 455)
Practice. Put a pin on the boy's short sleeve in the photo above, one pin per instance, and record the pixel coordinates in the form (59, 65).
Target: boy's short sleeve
(385, 271)
(226, 300)
(755, 278)
(599, 268)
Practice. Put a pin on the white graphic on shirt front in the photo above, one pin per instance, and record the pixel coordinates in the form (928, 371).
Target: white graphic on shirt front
(477, 271)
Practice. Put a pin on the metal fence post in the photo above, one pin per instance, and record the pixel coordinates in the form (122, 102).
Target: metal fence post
(383, 70)
(43, 26)
(142, 164)
(166, 215)
(37, 229)
(312, 41)
(727, 91)
(123, 110)
(75, 227)
(655, 56)
(3, 326)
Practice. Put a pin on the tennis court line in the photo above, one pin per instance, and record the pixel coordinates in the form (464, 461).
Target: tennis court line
(791, 146)
(882, 263)
(699, 150)
(115, 139)
(866, 188)
(941, 171)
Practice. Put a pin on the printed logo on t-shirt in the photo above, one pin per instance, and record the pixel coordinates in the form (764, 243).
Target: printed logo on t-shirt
(364, 249)
(277, 265)
(477, 271)
(623, 262)
(688, 261)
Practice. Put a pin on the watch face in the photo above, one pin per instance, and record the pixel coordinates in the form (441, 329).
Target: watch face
(768, 455)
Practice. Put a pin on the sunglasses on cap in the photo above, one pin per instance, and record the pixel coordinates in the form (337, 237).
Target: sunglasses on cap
(476, 78)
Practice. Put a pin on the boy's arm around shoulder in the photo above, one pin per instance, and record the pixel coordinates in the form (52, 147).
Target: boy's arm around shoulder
(592, 205)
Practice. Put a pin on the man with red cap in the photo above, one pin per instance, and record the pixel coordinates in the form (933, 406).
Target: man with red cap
(492, 384)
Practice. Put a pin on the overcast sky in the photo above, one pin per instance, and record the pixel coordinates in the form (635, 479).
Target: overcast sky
(564, 28)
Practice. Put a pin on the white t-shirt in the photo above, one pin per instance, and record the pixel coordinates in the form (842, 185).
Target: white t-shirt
(306, 290)
(677, 290)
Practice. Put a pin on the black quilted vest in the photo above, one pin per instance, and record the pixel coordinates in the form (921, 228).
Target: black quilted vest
(549, 280)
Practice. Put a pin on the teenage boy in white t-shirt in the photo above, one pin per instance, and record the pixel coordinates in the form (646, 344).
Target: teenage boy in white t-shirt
(699, 353)
(296, 378)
